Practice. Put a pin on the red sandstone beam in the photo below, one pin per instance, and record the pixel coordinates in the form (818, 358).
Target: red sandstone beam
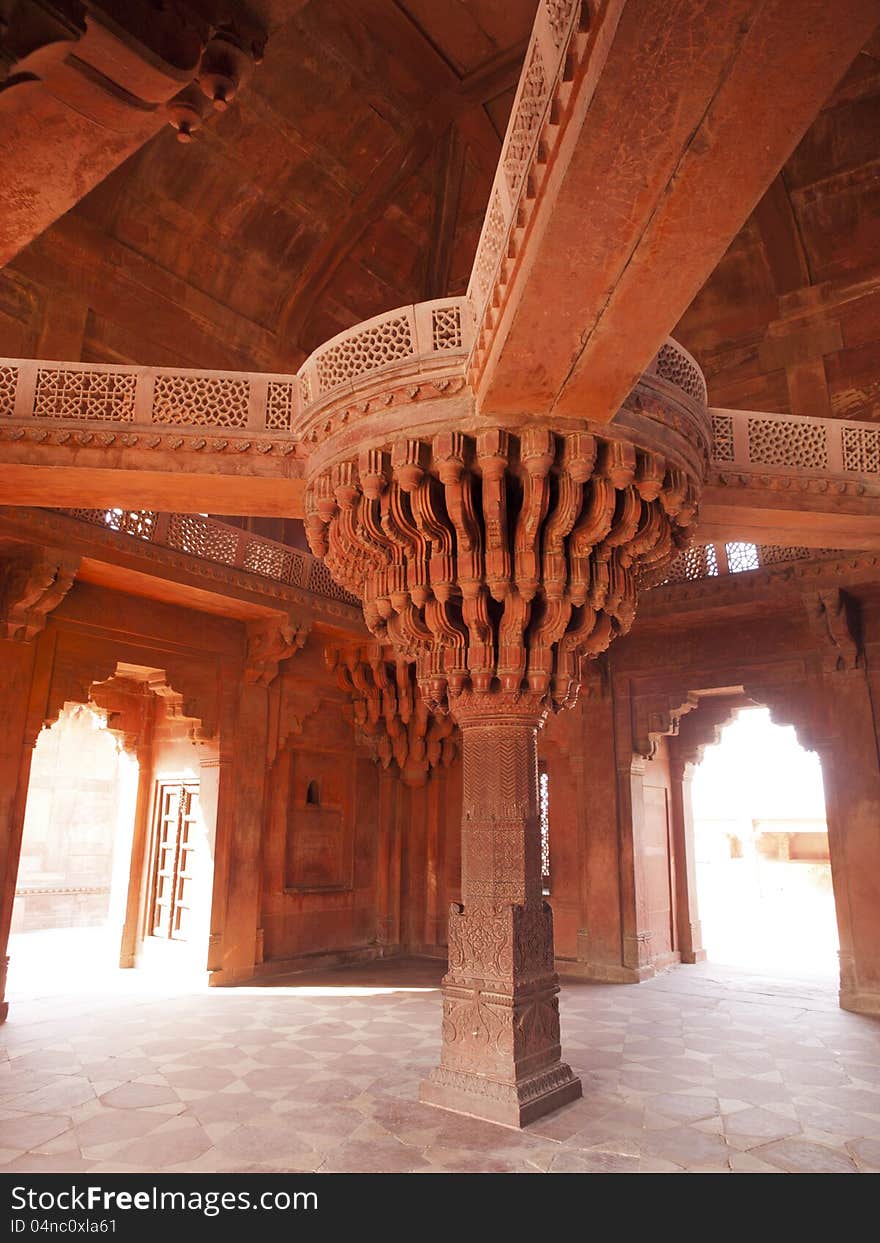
(81, 95)
(810, 512)
(83, 86)
(169, 486)
(665, 150)
(762, 515)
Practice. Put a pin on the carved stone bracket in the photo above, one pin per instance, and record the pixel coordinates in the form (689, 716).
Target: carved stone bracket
(655, 715)
(800, 704)
(702, 727)
(124, 702)
(269, 643)
(391, 713)
(834, 620)
(109, 57)
(34, 581)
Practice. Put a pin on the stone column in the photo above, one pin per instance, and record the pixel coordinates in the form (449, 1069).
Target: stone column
(16, 748)
(235, 917)
(690, 935)
(851, 776)
(500, 1056)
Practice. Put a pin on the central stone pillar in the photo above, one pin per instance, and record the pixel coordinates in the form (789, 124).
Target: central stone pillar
(500, 1056)
(496, 560)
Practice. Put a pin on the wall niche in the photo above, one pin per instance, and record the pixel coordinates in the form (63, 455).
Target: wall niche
(319, 847)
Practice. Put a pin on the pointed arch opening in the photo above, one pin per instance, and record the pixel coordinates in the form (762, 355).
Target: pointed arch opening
(762, 862)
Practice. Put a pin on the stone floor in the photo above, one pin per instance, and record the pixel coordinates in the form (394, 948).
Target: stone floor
(703, 1069)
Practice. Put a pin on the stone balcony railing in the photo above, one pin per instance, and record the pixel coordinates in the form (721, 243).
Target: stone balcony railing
(703, 561)
(222, 544)
(160, 398)
(99, 403)
(542, 87)
(751, 441)
(427, 339)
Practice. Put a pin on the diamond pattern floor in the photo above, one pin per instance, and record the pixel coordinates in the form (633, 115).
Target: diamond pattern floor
(703, 1069)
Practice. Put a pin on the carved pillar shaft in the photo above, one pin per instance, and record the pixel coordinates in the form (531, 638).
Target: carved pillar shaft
(16, 746)
(690, 937)
(235, 917)
(500, 1056)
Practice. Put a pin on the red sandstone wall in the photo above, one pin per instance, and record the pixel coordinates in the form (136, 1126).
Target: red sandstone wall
(322, 829)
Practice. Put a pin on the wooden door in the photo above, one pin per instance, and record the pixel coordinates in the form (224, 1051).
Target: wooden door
(174, 859)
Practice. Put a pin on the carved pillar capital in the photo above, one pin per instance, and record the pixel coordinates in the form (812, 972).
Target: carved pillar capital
(33, 582)
(504, 709)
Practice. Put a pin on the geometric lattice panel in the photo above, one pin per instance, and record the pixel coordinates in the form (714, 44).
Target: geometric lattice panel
(354, 356)
(776, 554)
(138, 522)
(446, 328)
(544, 808)
(490, 248)
(524, 131)
(8, 382)
(279, 405)
(200, 401)
(68, 393)
(322, 584)
(742, 557)
(696, 562)
(676, 368)
(270, 560)
(202, 538)
(782, 442)
(861, 450)
(722, 432)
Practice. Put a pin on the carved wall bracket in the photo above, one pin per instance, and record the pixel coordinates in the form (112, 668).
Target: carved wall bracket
(834, 620)
(34, 581)
(390, 712)
(657, 715)
(269, 643)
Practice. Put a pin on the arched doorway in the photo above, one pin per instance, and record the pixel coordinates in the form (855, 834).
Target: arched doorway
(761, 857)
(116, 867)
(70, 894)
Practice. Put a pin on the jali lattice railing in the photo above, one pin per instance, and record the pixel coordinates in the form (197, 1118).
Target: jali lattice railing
(711, 560)
(751, 440)
(222, 544)
(158, 397)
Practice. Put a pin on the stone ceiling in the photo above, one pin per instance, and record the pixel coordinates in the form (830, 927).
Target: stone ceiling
(790, 319)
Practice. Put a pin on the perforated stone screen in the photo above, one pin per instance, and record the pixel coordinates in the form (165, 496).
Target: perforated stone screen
(69, 393)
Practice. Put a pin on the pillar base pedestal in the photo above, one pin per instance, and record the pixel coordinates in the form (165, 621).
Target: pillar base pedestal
(510, 1104)
(860, 1002)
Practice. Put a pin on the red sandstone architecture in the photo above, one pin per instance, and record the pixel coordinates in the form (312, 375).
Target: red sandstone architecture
(521, 324)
